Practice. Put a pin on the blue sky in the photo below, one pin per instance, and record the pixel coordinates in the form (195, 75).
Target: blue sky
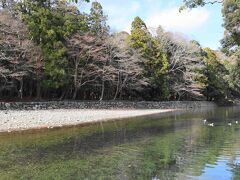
(203, 24)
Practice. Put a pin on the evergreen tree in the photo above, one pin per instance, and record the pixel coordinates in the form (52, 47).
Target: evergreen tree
(216, 86)
(97, 20)
(231, 40)
(140, 37)
(155, 60)
(49, 23)
(231, 15)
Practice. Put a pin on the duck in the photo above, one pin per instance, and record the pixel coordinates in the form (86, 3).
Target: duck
(204, 121)
(230, 124)
(236, 122)
(211, 124)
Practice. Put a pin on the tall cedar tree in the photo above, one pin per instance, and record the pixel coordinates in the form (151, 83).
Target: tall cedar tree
(155, 60)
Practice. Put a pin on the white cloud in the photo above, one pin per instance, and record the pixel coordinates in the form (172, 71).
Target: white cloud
(121, 14)
(173, 20)
(128, 28)
(135, 6)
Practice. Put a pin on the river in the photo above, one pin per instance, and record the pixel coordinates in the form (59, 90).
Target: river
(174, 146)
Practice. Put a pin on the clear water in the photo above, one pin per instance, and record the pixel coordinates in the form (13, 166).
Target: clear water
(174, 146)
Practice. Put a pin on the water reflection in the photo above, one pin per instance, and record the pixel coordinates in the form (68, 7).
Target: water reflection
(176, 146)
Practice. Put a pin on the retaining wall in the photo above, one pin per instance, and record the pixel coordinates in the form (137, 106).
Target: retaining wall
(105, 105)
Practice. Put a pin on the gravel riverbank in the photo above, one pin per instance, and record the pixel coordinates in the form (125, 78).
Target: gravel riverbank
(36, 119)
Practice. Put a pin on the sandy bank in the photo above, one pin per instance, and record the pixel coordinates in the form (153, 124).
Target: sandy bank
(23, 120)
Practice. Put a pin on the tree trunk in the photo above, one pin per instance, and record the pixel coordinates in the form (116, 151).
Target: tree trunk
(21, 89)
(117, 90)
(63, 94)
(75, 79)
(38, 89)
(103, 88)
(75, 93)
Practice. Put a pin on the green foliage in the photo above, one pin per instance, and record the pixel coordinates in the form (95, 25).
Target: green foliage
(196, 3)
(155, 63)
(140, 36)
(217, 87)
(231, 40)
(97, 20)
(76, 1)
(157, 69)
(163, 66)
(231, 15)
(49, 25)
(234, 68)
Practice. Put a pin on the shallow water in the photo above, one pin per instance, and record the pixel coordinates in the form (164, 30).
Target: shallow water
(173, 146)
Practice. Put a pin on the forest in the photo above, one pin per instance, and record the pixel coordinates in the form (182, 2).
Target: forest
(50, 50)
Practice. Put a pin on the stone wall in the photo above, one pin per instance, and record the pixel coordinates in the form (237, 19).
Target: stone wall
(105, 105)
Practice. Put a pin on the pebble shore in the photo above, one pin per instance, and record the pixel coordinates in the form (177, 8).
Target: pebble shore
(36, 119)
